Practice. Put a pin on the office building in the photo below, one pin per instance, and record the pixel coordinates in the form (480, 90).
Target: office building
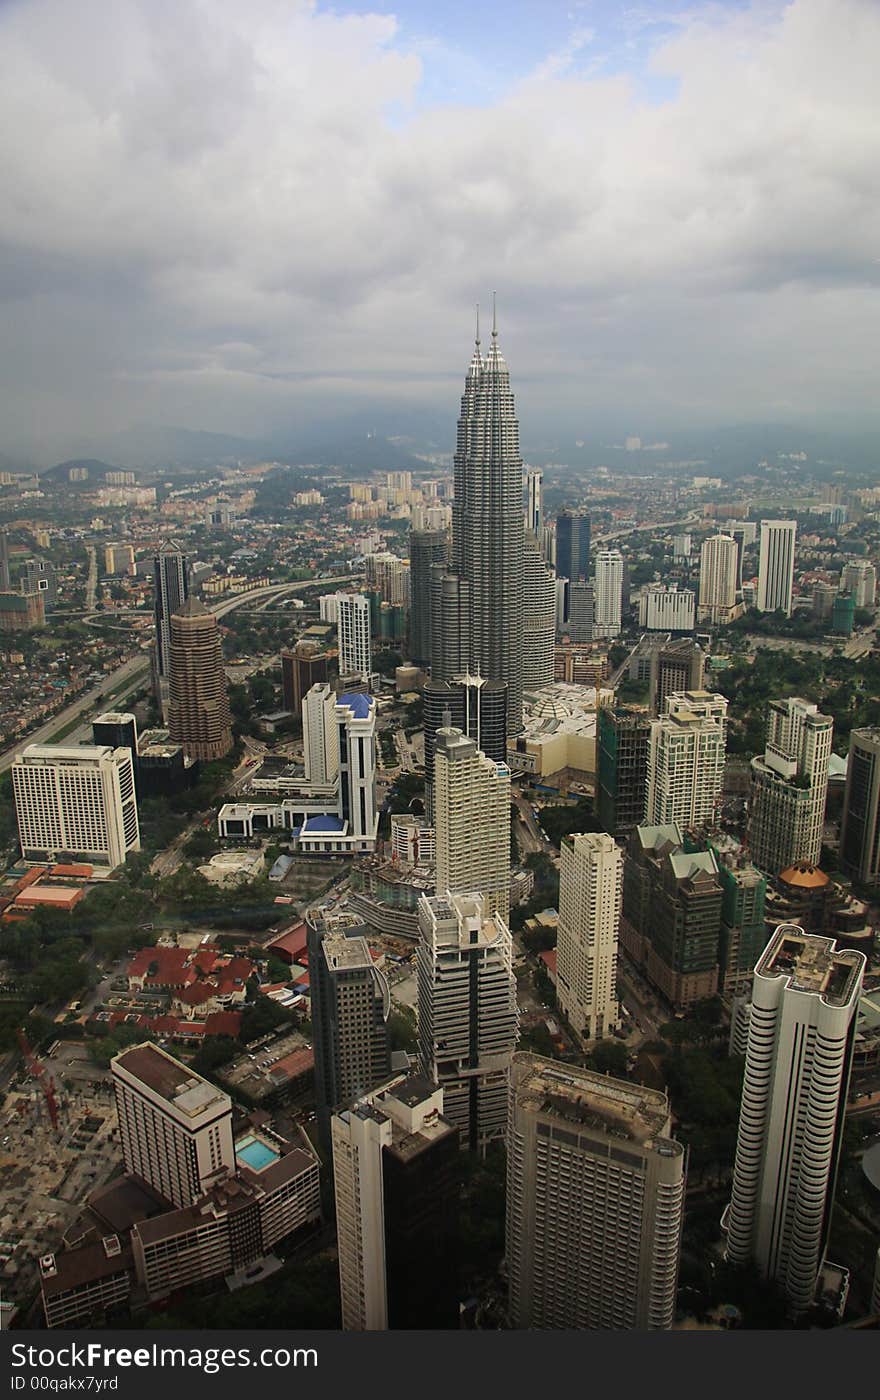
(474, 705)
(487, 530)
(171, 580)
(76, 803)
(175, 1128)
(5, 575)
(776, 565)
(581, 613)
(534, 513)
(679, 664)
(450, 624)
(743, 926)
(320, 735)
(306, 665)
(590, 891)
(666, 608)
(119, 559)
(805, 996)
(353, 624)
(199, 716)
(471, 821)
(718, 580)
(539, 635)
(682, 546)
(595, 1201)
(395, 1173)
(609, 587)
(623, 737)
(356, 747)
(468, 1017)
(572, 545)
(860, 825)
(843, 615)
(350, 1004)
(116, 729)
(20, 612)
(860, 579)
(388, 576)
(426, 548)
(686, 757)
(38, 576)
(788, 786)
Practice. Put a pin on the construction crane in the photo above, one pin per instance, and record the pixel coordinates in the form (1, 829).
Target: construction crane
(37, 1071)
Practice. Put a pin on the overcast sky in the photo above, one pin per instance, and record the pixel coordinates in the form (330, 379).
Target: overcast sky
(238, 214)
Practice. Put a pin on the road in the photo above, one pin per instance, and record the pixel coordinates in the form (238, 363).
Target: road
(530, 836)
(119, 685)
(92, 581)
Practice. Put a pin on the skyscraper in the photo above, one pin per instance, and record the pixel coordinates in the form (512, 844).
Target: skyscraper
(572, 545)
(686, 759)
(678, 665)
(353, 622)
(776, 565)
(487, 524)
(609, 593)
(171, 582)
(622, 743)
(805, 996)
(539, 634)
(426, 548)
(450, 624)
(860, 579)
(789, 785)
(305, 666)
(581, 614)
(320, 735)
(468, 1017)
(534, 514)
(595, 1200)
(471, 821)
(718, 580)
(395, 1171)
(590, 887)
(860, 827)
(76, 802)
(199, 716)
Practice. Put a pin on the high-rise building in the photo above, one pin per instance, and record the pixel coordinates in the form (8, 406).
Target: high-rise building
(805, 996)
(590, 889)
(116, 730)
(776, 565)
(199, 716)
(306, 665)
(472, 821)
(539, 634)
(119, 559)
(171, 577)
(468, 1017)
(320, 735)
(860, 826)
(5, 578)
(789, 785)
(860, 579)
(350, 1004)
(395, 1171)
(76, 803)
(686, 757)
(487, 524)
(595, 1200)
(356, 747)
(450, 624)
(581, 615)
(38, 576)
(743, 928)
(623, 737)
(353, 622)
(426, 548)
(572, 545)
(678, 665)
(718, 580)
(681, 548)
(534, 514)
(175, 1128)
(472, 704)
(609, 593)
(666, 608)
(388, 575)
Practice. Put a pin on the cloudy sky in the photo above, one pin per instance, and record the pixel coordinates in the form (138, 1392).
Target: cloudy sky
(247, 215)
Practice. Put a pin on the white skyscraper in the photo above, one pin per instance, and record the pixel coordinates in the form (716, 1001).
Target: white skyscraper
(76, 802)
(472, 821)
(776, 565)
(353, 623)
(718, 579)
(539, 633)
(665, 608)
(590, 889)
(320, 734)
(595, 1201)
(686, 756)
(805, 996)
(789, 786)
(860, 579)
(356, 747)
(468, 1017)
(609, 593)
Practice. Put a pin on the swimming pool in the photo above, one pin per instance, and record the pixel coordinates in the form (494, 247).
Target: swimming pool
(256, 1153)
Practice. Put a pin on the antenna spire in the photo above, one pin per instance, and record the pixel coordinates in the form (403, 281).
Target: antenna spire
(477, 341)
(494, 319)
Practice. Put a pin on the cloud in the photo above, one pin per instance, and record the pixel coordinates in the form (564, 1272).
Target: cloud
(238, 217)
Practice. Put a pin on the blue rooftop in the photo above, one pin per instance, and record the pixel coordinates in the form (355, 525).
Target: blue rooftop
(358, 703)
(314, 824)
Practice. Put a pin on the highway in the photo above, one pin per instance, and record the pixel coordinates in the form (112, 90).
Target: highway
(118, 686)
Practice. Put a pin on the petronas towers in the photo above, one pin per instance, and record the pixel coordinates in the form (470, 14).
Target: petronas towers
(487, 537)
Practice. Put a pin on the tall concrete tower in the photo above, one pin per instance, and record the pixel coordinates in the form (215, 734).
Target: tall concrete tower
(487, 523)
(590, 889)
(472, 821)
(805, 996)
(199, 717)
(789, 785)
(171, 583)
(718, 579)
(539, 634)
(776, 565)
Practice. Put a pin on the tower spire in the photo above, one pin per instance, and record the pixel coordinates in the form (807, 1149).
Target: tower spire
(477, 337)
(494, 319)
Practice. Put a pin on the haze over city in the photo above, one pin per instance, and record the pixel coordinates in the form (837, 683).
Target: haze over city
(260, 220)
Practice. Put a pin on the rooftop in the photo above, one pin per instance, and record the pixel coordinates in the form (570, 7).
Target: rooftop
(187, 1092)
(599, 1102)
(359, 704)
(812, 964)
(344, 954)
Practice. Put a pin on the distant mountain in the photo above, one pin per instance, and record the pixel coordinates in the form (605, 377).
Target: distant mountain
(95, 471)
(355, 453)
(159, 447)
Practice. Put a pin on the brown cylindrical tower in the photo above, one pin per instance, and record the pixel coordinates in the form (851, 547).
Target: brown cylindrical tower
(199, 717)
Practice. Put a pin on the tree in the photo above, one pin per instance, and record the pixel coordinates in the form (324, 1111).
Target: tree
(609, 1057)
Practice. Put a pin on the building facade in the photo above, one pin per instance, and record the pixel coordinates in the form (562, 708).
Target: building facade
(471, 822)
(199, 716)
(623, 738)
(355, 642)
(426, 548)
(76, 803)
(590, 893)
(171, 580)
(718, 580)
(667, 608)
(776, 565)
(860, 826)
(686, 758)
(539, 633)
(789, 786)
(609, 593)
